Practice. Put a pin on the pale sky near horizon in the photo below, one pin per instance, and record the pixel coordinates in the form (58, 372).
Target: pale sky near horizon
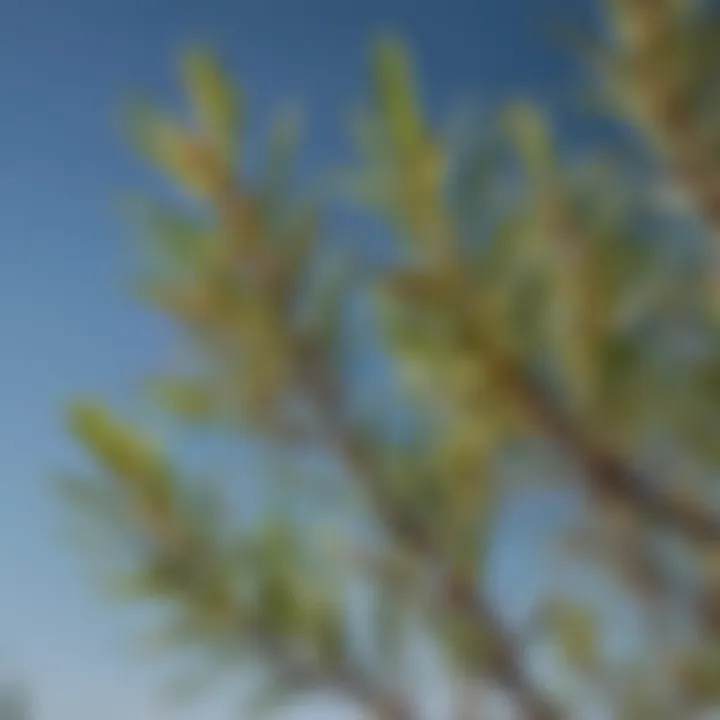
(66, 323)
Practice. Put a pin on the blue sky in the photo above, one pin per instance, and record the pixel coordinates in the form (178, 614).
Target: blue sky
(66, 322)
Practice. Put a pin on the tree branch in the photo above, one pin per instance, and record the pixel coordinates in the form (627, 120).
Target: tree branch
(610, 476)
(456, 593)
(348, 679)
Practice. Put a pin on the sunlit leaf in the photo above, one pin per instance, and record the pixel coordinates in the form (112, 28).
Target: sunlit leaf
(214, 98)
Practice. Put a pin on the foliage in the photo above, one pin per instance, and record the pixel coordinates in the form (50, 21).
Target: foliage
(529, 306)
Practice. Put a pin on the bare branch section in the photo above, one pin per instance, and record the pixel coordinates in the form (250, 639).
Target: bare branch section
(347, 679)
(611, 477)
(456, 595)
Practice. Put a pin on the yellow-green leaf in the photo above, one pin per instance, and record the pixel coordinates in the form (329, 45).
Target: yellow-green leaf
(213, 97)
(396, 94)
(121, 449)
(186, 159)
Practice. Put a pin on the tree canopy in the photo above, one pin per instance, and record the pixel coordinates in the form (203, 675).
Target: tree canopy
(538, 324)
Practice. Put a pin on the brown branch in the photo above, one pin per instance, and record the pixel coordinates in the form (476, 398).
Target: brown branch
(609, 476)
(348, 679)
(456, 594)
(504, 662)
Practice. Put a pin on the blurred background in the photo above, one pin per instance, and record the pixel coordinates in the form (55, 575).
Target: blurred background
(66, 258)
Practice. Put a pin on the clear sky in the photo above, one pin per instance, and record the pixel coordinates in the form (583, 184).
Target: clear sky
(66, 323)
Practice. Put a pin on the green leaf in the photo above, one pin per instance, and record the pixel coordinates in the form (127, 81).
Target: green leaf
(396, 94)
(186, 159)
(529, 130)
(213, 98)
(575, 631)
(121, 449)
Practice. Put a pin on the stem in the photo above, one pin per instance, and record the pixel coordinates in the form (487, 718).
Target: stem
(610, 476)
(456, 593)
